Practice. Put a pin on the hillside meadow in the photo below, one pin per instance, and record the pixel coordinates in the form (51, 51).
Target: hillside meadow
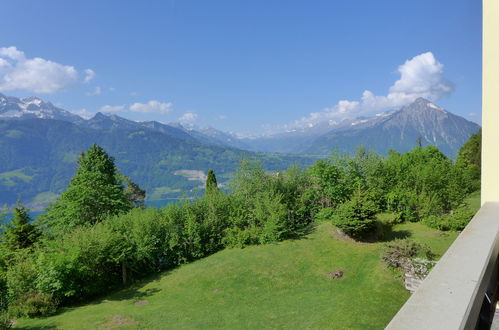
(283, 285)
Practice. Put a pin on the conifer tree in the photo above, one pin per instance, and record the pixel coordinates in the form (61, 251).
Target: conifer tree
(94, 193)
(20, 233)
(211, 181)
(135, 195)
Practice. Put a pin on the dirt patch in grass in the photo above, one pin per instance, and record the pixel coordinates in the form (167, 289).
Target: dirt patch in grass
(141, 303)
(217, 291)
(116, 321)
(336, 274)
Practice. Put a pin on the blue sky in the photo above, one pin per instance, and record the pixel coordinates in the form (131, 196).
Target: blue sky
(244, 66)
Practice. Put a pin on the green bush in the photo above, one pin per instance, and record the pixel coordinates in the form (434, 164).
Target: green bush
(5, 321)
(33, 304)
(457, 220)
(356, 217)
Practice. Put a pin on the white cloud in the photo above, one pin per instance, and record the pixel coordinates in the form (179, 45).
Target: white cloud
(421, 76)
(96, 91)
(188, 117)
(472, 114)
(222, 117)
(84, 113)
(112, 108)
(152, 106)
(112, 89)
(36, 74)
(89, 75)
(134, 94)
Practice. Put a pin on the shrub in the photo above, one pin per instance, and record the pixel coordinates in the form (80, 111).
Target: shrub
(357, 217)
(457, 220)
(397, 253)
(33, 304)
(5, 322)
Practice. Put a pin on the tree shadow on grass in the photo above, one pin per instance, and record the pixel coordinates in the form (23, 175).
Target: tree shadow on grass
(135, 294)
(385, 234)
(397, 234)
(134, 291)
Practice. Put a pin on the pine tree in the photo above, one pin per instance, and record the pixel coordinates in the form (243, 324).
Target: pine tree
(20, 233)
(211, 182)
(135, 195)
(94, 193)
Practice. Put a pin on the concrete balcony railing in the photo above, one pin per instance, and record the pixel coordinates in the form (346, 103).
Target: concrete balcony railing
(460, 291)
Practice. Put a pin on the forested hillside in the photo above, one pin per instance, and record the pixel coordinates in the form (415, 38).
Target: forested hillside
(38, 157)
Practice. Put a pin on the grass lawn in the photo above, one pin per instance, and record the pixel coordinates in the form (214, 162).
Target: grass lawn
(286, 285)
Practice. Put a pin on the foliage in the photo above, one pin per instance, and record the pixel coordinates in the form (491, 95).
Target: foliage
(134, 194)
(20, 233)
(33, 304)
(455, 220)
(469, 159)
(332, 181)
(94, 193)
(356, 217)
(211, 182)
(419, 183)
(268, 207)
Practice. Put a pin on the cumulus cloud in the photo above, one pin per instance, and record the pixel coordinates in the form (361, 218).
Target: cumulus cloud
(188, 118)
(36, 74)
(112, 108)
(96, 91)
(152, 106)
(421, 76)
(89, 75)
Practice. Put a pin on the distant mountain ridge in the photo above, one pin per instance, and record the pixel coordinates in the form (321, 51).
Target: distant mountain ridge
(395, 129)
(33, 107)
(400, 130)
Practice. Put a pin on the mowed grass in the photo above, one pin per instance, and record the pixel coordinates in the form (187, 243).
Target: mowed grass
(285, 285)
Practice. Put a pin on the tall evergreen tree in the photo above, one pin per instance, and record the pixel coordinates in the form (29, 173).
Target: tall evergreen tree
(20, 233)
(94, 193)
(211, 181)
(135, 195)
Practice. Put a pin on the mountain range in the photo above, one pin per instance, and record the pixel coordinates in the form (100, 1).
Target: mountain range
(40, 143)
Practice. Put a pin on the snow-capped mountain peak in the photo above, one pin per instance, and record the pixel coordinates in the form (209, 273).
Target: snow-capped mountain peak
(33, 107)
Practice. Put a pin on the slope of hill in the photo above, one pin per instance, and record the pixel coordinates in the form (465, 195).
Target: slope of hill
(280, 286)
(37, 157)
